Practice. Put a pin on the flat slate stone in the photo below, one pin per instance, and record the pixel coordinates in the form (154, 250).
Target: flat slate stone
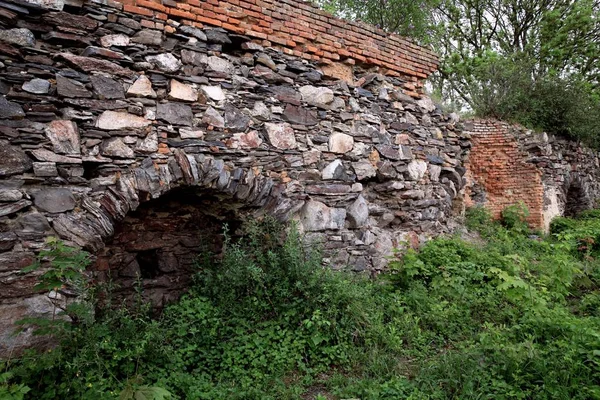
(175, 113)
(70, 88)
(107, 88)
(235, 120)
(37, 86)
(33, 222)
(54, 200)
(190, 30)
(148, 36)
(300, 115)
(9, 109)
(66, 19)
(217, 36)
(93, 64)
(47, 155)
(13, 160)
(11, 208)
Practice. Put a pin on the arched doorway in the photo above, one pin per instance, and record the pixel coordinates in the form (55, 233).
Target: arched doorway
(577, 199)
(155, 249)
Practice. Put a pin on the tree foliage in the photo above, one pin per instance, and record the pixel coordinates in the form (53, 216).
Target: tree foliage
(412, 19)
(550, 38)
(535, 62)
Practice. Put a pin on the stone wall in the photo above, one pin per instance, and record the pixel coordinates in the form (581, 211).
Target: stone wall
(552, 176)
(104, 110)
(294, 27)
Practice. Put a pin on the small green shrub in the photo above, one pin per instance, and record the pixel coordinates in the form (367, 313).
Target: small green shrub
(515, 217)
(478, 217)
(11, 391)
(560, 224)
(589, 214)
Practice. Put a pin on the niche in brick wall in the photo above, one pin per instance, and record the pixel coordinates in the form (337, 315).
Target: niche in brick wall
(156, 247)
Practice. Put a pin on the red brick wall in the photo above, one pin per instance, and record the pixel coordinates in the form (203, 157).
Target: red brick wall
(501, 169)
(299, 29)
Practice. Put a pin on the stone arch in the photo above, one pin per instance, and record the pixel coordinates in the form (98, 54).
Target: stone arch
(95, 221)
(577, 198)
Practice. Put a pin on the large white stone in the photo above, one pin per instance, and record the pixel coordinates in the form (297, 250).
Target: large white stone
(416, 170)
(182, 91)
(142, 87)
(316, 95)
(329, 172)
(340, 143)
(218, 64)
(114, 40)
(358, 212)
(316, 216)
(214, 92)
(113, 120)
(281, 136)
(166, 62)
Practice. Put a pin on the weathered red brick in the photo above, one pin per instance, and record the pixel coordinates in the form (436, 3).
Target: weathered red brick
(138, 10)
(151, 5)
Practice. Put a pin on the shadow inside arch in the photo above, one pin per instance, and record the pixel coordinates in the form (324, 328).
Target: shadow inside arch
(96, 220)
(157, 246)
(577, 198)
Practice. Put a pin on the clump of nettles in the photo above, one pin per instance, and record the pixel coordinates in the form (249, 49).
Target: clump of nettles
(511, 315)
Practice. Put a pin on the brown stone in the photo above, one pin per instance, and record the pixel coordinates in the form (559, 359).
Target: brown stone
(142, 87)
(64, 136)
(93, 64)
(339, 71)
(13, 160)
(281, 136)
(249, 140)
(340, 143)
(182, 91)
(69, 88)
(113, 120)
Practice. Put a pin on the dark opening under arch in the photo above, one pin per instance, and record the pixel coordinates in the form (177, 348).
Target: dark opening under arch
(157, 245)
(577, 199)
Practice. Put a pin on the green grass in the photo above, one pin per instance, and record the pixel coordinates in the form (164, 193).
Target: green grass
(513, 316)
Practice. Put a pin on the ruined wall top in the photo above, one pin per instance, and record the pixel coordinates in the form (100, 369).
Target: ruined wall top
(294, 26)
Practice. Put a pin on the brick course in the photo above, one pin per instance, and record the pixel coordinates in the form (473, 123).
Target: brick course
(303, 30)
